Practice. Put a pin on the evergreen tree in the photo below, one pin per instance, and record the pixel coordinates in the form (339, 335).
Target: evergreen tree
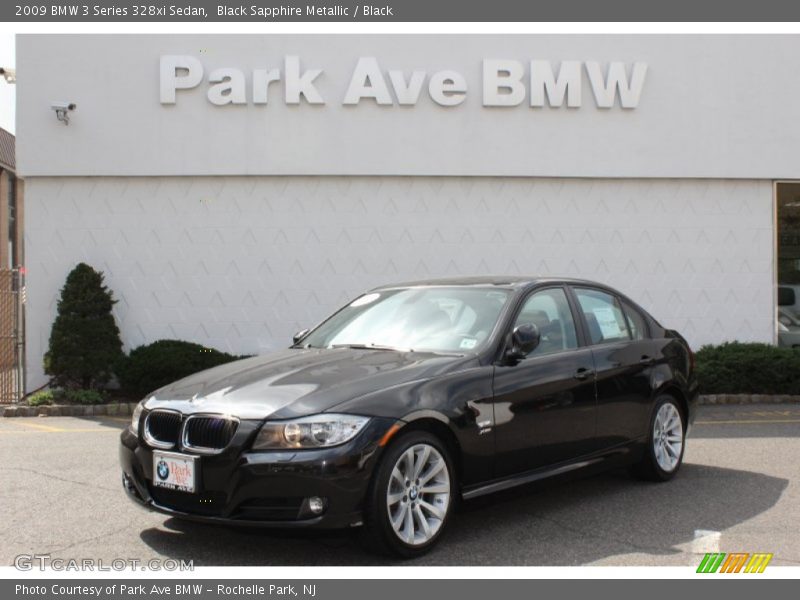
(84, 342)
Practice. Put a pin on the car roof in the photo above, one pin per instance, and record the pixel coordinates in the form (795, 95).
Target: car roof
(502, 281)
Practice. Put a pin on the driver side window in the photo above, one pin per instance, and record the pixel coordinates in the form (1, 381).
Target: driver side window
(549, 311)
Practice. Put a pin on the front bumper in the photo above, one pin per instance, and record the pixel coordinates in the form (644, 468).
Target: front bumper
(262, 488)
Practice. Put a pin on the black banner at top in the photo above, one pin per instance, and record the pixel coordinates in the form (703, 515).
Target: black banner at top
(255, 11)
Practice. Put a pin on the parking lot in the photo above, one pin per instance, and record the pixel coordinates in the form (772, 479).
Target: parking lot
(738, 490)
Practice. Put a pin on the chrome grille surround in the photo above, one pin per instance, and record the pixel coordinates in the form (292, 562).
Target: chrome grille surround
(157, 428)
(204, 433)
(208, 433)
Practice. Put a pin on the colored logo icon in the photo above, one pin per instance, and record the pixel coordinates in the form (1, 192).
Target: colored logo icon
(162, 470)
(735, 562)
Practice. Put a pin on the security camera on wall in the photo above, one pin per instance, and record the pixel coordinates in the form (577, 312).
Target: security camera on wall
(10, 75)
(62, 110)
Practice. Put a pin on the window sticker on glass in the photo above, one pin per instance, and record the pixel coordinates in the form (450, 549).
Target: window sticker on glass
(468, 343)
(365, 299)
(607, 321)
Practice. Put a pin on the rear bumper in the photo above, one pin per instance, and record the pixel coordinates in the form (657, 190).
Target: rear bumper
(263, 488)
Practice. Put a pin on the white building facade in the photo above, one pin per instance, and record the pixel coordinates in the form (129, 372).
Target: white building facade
(236, 189)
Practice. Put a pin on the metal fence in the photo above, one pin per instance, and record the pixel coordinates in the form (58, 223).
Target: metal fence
(12, 351)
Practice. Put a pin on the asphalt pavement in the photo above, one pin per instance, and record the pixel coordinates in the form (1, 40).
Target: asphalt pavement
(738, 491)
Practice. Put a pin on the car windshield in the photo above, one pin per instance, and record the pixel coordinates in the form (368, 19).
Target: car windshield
(433, 319)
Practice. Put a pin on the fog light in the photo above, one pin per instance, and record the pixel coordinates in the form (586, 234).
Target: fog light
(316, 505)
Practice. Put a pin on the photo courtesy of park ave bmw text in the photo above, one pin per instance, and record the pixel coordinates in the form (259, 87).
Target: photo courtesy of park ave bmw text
(235, 189)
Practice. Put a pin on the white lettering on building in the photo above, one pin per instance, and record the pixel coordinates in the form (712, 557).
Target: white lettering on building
(504, 82)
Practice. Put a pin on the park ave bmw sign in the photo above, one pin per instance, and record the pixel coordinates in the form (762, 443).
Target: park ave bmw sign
(505, 82)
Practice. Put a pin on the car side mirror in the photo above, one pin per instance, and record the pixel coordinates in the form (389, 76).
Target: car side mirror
(524, 340)
(299, 335)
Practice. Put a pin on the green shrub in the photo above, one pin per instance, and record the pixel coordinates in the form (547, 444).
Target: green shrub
(58, 396)
(84, 397)
(737, 368)
(41, 398)
(84, 342)
(155, 365)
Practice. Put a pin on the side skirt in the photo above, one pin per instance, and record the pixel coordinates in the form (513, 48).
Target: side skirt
(617, 454)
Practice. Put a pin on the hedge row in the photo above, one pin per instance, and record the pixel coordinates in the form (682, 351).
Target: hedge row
(737, 368)
(144, 370)
(155, 365)
(61, 396)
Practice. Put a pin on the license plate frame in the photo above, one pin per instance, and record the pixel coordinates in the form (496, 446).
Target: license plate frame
(179, 471)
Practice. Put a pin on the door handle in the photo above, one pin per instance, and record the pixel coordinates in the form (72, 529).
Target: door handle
(647, 360)
(583, 373)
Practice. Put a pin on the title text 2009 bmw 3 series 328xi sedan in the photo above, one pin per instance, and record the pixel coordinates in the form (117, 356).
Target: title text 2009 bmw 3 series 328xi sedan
(412, 397)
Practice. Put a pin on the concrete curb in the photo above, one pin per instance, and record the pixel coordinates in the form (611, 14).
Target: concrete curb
(126, 408)
(69, 410)
(749, 399)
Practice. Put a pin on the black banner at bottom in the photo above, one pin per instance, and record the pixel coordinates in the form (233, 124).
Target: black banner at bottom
(391, 589)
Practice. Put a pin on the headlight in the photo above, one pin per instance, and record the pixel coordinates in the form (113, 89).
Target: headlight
(136, 416)
(317, 431)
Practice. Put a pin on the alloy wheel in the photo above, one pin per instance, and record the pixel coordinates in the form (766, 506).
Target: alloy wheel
(668, 437)
(418, 494)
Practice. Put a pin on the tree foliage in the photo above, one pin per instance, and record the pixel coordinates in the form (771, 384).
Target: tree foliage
(84, 341)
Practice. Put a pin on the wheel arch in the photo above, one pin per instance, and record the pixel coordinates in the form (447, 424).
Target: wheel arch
(672, 389)
(437, 425)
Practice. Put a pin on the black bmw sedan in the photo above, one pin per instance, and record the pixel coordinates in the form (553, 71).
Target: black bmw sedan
(411, 398)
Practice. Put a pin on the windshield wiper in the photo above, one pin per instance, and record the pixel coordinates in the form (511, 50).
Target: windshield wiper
(371, 347)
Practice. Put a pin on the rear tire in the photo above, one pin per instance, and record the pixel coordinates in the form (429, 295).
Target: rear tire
(666, 441)
(411, 496)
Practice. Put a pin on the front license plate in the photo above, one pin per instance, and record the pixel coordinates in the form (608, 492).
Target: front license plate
(174, 471)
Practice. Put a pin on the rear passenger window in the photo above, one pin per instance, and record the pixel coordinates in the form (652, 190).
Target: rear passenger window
(636, 322)
(603, 316)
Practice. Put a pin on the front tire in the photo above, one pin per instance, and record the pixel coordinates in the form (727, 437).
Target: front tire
(666, 442)
(411, 496)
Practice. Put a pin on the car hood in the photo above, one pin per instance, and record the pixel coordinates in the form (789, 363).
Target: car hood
(298, 382)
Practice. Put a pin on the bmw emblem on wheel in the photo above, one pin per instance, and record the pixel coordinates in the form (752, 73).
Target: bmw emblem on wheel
(163, 469)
